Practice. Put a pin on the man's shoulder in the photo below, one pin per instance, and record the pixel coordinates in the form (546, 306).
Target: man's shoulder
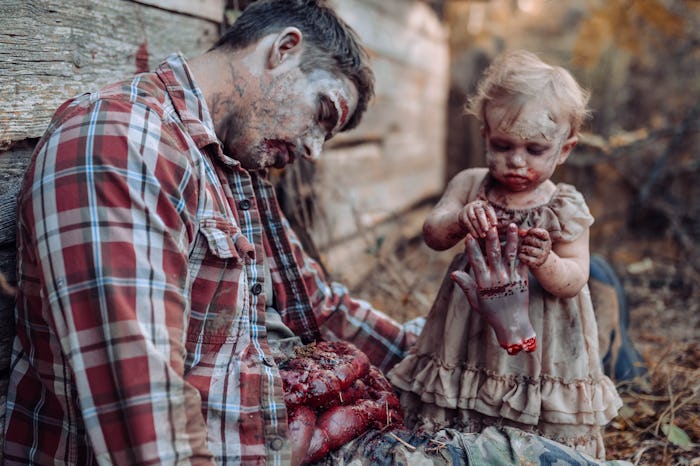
(137, 93)
(142, 91)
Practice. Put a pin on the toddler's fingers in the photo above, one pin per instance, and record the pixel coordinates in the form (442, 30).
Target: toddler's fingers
(465, 219)
(477, 220)
(532, 256)
(484, 212)
(539, 233)
(491, 215)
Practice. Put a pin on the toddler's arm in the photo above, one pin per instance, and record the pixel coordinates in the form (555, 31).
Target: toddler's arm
(561, 268)
(452, 217)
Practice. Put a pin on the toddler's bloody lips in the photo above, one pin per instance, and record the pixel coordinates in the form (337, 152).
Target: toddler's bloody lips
(516, 179)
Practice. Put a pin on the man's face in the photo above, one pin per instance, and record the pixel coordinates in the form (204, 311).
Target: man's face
(291, 115)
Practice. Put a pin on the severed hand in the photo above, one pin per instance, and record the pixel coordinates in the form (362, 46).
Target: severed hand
(497, 288)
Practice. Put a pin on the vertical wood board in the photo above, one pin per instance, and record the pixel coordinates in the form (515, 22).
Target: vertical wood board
(51, 50)
(394, 160)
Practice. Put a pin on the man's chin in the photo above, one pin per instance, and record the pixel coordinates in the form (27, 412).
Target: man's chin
(282, 160)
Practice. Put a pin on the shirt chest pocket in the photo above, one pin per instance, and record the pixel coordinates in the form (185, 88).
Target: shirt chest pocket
(217, 265)
(223, 238)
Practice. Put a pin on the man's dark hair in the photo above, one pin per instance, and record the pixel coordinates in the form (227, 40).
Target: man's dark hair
(333, 44)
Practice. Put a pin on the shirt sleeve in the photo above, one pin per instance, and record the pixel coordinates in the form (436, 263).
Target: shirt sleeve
(108, 205)
(342, 317)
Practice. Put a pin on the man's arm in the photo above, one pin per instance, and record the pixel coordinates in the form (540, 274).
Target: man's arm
(341, 317)
(109, 233)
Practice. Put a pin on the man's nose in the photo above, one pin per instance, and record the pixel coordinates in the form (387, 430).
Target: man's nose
(313, 146)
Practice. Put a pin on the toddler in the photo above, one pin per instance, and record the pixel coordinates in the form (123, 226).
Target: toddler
(458, 374)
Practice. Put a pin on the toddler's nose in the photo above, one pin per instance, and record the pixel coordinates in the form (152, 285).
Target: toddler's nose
(516, 160)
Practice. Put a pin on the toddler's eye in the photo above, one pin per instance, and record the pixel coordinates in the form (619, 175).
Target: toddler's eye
(536, 150)
(500, 147)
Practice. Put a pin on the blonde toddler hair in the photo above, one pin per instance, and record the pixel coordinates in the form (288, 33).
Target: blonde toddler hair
(517, 76)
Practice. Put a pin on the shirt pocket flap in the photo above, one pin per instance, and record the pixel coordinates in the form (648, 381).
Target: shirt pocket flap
(225, 239)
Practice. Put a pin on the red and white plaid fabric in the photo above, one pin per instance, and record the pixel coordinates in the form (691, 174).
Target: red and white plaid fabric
(141, 315)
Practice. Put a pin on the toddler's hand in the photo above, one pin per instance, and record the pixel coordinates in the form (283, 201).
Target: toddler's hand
(477, 218)
(535, 247)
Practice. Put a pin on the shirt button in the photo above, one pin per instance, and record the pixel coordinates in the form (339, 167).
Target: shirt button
(268, 361)
(244, 204)
(276, 443)
(257, 289)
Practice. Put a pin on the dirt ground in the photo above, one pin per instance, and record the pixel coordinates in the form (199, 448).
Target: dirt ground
(659, 423)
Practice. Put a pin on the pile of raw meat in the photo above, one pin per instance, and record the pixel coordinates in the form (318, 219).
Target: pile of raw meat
(333, 394)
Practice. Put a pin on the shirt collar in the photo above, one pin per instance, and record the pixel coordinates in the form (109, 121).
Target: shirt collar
(189, 103)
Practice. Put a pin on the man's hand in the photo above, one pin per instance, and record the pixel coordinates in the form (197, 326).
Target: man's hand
(497, 288)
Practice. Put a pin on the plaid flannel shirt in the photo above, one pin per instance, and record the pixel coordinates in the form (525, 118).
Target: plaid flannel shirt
(141, 314)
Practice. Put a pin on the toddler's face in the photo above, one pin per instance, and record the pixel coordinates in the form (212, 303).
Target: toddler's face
(524, 150)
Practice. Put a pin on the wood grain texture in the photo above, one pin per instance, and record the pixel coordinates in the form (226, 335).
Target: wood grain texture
(394, 160)
(212, 10)
(51, 50)
(13, 164)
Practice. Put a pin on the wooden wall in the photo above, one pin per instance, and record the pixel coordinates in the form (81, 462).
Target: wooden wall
(373, 179)
(52, 50)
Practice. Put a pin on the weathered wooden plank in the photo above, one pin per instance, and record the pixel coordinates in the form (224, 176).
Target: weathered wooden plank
(408, 32)
(212, 10)
(350, 259)
(405, 125)
(7, 256)
(12, 166)
(51, 50)
(395, 159)
(409, 55)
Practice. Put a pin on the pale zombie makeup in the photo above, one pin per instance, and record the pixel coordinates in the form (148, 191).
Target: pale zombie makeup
(292, 116)
(332, 115)
(524, 147)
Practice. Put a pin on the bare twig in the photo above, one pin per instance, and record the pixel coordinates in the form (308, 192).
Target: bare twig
(402, 441)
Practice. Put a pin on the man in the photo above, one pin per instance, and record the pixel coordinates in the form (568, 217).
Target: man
(155, 266)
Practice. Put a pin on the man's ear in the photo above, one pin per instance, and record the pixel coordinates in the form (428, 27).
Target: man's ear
(287, 45)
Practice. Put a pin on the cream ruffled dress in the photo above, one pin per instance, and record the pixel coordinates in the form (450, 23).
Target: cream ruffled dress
(458, 376)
